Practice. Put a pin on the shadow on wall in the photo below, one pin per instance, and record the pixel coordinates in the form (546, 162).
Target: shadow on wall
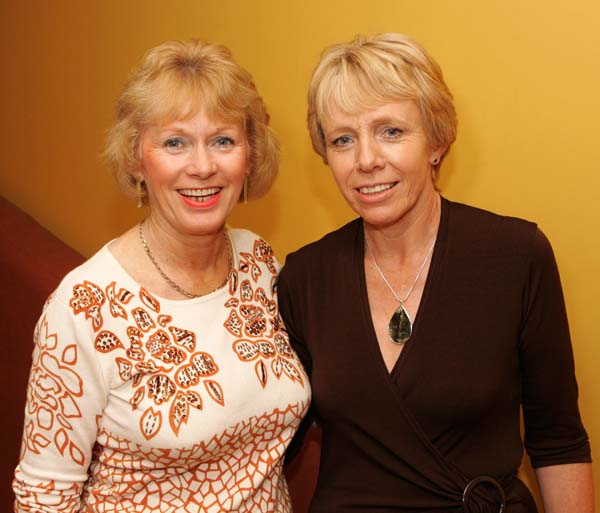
(32, 264)
(262, 216)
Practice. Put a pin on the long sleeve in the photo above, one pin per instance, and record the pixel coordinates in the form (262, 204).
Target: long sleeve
(288, 308)
(554, 433)
(66, 395)
(141, 403)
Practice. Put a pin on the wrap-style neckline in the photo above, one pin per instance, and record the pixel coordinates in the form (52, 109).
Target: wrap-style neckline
(419, 325)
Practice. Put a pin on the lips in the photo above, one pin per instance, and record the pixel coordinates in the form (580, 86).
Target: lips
(375, 189)
(200, 195)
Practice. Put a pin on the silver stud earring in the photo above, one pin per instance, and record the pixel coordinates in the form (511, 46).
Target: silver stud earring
(435, 161)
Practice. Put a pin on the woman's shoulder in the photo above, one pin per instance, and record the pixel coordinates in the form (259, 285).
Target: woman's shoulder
(477, 230)
(337, 243)
(97, 269)
(247, 241)
(479, 217)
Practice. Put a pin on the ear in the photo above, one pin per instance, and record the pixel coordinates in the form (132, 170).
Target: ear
(137, 175)
(436, 155)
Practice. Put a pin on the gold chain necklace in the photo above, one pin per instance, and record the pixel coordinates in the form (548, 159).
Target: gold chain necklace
(174, 285)
(400, 325)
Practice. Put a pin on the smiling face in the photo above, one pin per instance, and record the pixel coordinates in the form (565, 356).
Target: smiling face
(194, 171)
(382, 162)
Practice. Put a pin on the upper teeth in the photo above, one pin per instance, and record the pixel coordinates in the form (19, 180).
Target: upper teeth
(376, 188)
(199, 192)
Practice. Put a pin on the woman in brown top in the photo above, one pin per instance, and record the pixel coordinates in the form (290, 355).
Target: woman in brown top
(425, 324)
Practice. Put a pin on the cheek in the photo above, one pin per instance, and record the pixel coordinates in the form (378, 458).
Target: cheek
(409, 163)
(344, 186)
(155, 167)
(148, 168)
(341, 166)
(239, 165)
(338, 176)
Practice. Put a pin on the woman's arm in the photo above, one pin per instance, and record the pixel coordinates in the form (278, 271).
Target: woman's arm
(286, 303)
(567, 488)
(554, 434)
(65, 396)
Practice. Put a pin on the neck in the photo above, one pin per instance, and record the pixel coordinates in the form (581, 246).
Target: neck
(411, 238)
(185, 251)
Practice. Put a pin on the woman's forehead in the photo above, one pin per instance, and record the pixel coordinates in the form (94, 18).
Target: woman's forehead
(393, 110)
(182, 110)
(180, 100)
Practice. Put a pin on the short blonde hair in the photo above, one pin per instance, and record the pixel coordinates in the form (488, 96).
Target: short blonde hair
(370, 71)
(173, 81)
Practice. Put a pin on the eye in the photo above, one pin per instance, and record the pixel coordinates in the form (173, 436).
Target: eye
(392, 132)
(173, 143)
(224, 141)
(341, 141)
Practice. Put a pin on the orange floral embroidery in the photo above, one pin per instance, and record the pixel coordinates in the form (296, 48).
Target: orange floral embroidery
(143, 319)
(88, 298)
(106, 341)
(116, 300)
(264, 253)
(262, 350)
(248, 264)
(147, 346)
(254, 316)
(52, 396)
(180, 408)
(160, 362)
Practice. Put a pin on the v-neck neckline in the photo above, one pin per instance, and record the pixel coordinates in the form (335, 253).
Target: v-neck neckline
(431, 279)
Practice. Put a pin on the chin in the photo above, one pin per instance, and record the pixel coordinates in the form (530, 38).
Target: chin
(205, 228)
(380, 220)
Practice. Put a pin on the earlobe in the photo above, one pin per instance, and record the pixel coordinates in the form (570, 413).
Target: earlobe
(437, 156)
(441, 151)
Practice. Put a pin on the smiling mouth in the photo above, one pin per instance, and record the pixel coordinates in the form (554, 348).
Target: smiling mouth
(374, 189)
(200, 195)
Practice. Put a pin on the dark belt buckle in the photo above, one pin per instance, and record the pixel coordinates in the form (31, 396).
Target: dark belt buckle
(473, 483)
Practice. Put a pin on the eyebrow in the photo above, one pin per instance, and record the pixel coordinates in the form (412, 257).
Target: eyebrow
(389, 119)
(374, 122)
(180, 129)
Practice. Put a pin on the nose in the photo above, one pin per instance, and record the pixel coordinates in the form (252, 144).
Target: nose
(201, 162)
(369, 157)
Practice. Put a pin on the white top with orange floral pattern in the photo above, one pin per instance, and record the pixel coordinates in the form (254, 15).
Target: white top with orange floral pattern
(138, 403)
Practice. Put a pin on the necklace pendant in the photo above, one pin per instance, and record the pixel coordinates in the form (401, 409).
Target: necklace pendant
(400, 326)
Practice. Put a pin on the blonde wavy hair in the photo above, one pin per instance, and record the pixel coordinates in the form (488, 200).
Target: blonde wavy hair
(368, 72)
(173, 82)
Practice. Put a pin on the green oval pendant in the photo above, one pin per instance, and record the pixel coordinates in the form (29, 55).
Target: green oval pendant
(400, 327)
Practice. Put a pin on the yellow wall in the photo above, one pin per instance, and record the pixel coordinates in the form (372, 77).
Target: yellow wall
(526, 77)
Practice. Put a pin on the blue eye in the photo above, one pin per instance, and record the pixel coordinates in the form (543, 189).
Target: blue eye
(392, 132)
(343, 140)
(224, 141)
(173, 143)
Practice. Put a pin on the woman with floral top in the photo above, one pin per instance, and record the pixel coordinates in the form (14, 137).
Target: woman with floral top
(162, 378)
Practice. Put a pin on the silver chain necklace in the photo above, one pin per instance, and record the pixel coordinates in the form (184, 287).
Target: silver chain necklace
(174, 285)
(400, 325)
